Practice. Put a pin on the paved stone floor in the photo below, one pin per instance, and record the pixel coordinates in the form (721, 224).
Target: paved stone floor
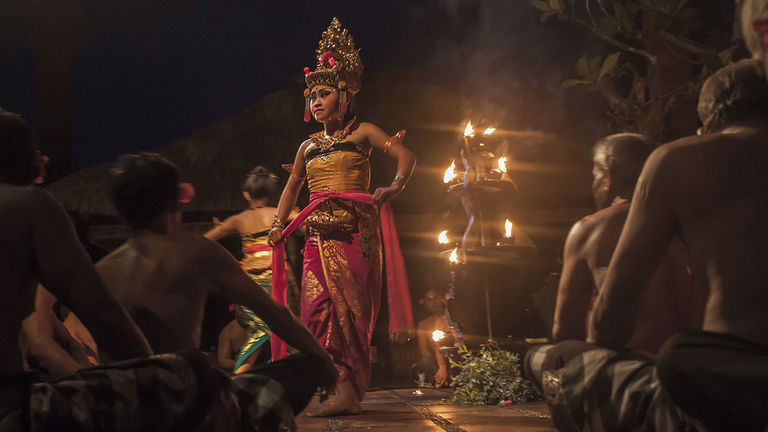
(401, 410)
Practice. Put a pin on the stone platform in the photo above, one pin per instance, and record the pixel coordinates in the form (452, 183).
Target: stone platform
(401, 410)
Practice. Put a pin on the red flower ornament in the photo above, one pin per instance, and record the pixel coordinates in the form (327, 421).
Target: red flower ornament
(185, 193)
(327, 59)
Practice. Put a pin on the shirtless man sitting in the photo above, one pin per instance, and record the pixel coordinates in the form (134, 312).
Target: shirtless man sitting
(38, 244)
(668, 304)
(711, 191)
(163, 277)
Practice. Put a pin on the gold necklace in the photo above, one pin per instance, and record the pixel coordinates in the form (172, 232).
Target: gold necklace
(325, 141)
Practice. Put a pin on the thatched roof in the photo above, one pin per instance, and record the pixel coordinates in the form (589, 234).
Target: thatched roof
(217, 158)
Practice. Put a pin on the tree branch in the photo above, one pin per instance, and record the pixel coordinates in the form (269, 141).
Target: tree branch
(651, 58)
(688, 45)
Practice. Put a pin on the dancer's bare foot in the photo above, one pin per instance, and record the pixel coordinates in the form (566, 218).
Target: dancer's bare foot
(345, 403)
(338, 408)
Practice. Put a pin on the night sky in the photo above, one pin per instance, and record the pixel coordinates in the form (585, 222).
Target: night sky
(149, 73)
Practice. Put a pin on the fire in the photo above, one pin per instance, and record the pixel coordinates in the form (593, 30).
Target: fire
(454, 256)
(489, 131)
(450, 173)
(469, 130)
(508, 228)
(438, 335)
(503, 164)
(442, 238)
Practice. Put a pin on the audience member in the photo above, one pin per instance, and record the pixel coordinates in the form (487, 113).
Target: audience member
(231, 339)
(47, 345)
(163, 276)
(668, 304)
(733, 93)
(711, 191)
(432, 364)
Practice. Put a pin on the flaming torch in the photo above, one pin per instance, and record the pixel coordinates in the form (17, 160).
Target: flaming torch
(469, 131)
(508, 229)
(450, 173)
(453, 258)
(503, 164)
(442, 238)
(438, 335)
(489, 131)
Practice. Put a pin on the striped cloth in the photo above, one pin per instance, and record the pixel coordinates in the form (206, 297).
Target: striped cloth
(604, 390)
(179, 392)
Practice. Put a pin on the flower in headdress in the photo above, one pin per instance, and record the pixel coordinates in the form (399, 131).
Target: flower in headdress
(307, 72)
(761, 26)
(327, 59)
(185, 193)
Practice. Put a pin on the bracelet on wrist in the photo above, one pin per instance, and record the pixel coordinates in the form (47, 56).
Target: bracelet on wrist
(400, 181)
(277, 223)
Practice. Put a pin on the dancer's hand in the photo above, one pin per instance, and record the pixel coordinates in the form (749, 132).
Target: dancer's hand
(273, 237)
(384, 194)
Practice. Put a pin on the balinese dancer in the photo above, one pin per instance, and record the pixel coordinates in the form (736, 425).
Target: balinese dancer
(260, 190)
(341, 283)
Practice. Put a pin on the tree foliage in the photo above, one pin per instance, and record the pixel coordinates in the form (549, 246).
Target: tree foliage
(664, 50)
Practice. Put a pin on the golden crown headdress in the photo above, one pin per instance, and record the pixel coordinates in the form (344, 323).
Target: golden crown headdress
(338, 65)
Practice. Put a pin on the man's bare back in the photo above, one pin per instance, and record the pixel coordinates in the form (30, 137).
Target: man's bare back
(712, 191)
(162, 283)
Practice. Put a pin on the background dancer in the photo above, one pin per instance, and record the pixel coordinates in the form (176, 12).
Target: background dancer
(260, 190)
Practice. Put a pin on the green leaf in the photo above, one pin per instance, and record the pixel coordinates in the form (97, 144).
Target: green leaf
(582, 66)
(594, 68)
(608, 65)
(542, 5)
(556, 5)
(545, 16)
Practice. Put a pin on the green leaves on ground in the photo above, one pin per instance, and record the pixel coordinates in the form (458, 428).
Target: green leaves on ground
(489, 377)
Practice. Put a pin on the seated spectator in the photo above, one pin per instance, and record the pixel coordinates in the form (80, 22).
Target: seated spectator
(231, 339)
(668, 304)
(163, 276)
(711, 191)
(432, 365)
(48, 347)
(735, 92)
(38, 245)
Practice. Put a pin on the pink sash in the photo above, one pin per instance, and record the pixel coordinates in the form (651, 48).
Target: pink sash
(400, 314)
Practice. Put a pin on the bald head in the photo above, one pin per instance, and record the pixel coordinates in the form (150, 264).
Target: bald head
(754, 27)
(734, 93)
(622, 155)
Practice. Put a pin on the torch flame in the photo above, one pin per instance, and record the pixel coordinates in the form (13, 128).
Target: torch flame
(508, 228)
(442, 238)
(469, 130)
(489, 131)
(450, 173)
(454, 256)
(503, 164)
(438, 335)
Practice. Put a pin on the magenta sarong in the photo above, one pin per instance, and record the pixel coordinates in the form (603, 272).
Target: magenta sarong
(331, 264)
